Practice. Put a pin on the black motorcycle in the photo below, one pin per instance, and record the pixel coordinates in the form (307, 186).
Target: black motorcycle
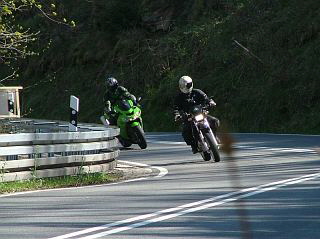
(207, 142)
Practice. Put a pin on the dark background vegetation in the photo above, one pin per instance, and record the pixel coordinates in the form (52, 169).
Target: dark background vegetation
(147, 45)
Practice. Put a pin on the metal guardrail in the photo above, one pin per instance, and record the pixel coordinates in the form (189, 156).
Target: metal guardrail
(35, 148)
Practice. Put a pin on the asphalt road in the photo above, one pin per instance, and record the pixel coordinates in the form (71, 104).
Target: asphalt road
(268, 189)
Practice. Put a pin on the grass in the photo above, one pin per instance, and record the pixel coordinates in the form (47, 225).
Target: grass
(60, 182)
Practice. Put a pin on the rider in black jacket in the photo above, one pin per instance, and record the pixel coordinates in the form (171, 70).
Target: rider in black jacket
(183, 101)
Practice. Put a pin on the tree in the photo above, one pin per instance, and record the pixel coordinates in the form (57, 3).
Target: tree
(14, 38)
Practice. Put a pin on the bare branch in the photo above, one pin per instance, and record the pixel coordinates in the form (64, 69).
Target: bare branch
(8, 77)
(51, 19)
(14, 40)
(248, 51)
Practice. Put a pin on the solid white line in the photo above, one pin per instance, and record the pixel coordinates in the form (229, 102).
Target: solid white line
(214, 204)
(150, 135)
(297, 150)
(186, 208)
(237, 146)
(162, 172)
(164, 134)
(168, 142)
(274, 134)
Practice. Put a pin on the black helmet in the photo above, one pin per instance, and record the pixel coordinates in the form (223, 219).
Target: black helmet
(111, 83)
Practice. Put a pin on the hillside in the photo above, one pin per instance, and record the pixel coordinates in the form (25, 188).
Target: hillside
(259, 59)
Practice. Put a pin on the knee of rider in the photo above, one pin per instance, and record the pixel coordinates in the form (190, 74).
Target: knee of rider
(187, 138)
(217, 123)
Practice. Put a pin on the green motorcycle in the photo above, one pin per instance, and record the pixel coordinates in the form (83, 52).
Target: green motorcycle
(130, 123)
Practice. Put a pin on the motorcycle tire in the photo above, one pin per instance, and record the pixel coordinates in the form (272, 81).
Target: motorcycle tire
(142, 142)
(125, 143)
(213, 147)
(206, 156)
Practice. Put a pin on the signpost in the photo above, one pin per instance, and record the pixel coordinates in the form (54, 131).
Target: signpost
(74, 109)
(9, 102)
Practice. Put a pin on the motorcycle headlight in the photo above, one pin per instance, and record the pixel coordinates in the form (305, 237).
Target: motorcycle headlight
(199, 117)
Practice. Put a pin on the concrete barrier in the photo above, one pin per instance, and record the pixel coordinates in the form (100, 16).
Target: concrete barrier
(37, 149)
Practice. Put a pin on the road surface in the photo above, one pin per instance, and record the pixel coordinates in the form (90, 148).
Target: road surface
(269, 189)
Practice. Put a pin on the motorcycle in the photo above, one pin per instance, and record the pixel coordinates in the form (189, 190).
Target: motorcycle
(130, 123)
(206, 140)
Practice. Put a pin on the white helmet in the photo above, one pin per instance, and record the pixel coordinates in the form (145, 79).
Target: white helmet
(185, 84)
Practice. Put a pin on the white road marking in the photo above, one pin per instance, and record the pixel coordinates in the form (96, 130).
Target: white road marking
(162, 172)
(239, 146)
(294, 150)
(183, 209)
(272, 134)
(168, 142)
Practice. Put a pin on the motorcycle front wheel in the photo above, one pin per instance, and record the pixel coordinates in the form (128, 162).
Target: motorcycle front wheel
(213, 147)
(140, 136)
(206, 156)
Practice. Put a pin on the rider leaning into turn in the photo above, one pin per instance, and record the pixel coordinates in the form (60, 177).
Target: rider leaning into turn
(113, 93)
(183, 101)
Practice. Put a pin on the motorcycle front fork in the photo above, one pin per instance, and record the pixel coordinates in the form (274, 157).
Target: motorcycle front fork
(199, 138)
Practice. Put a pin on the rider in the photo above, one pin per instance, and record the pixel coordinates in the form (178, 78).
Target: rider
(113, 93)
(183, 101)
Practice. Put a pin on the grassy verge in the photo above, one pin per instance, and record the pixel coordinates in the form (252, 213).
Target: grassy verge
(60, 182)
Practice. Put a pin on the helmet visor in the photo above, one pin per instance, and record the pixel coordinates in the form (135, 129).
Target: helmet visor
(189, 85)
(111, 83)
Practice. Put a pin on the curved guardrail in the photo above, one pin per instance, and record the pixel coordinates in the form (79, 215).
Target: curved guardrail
(36, 148)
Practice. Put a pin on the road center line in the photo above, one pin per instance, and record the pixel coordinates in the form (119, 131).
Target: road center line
(184, 209)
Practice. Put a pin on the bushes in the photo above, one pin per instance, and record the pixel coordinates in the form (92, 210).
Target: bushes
(274, 90)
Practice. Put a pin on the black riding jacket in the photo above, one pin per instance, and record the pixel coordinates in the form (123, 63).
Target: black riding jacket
(183, 101)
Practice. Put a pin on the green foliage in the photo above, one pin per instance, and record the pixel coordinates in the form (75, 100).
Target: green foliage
(15, 38)
(259, 59)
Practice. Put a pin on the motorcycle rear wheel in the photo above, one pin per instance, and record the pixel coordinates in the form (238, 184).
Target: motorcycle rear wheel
(125, 143)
